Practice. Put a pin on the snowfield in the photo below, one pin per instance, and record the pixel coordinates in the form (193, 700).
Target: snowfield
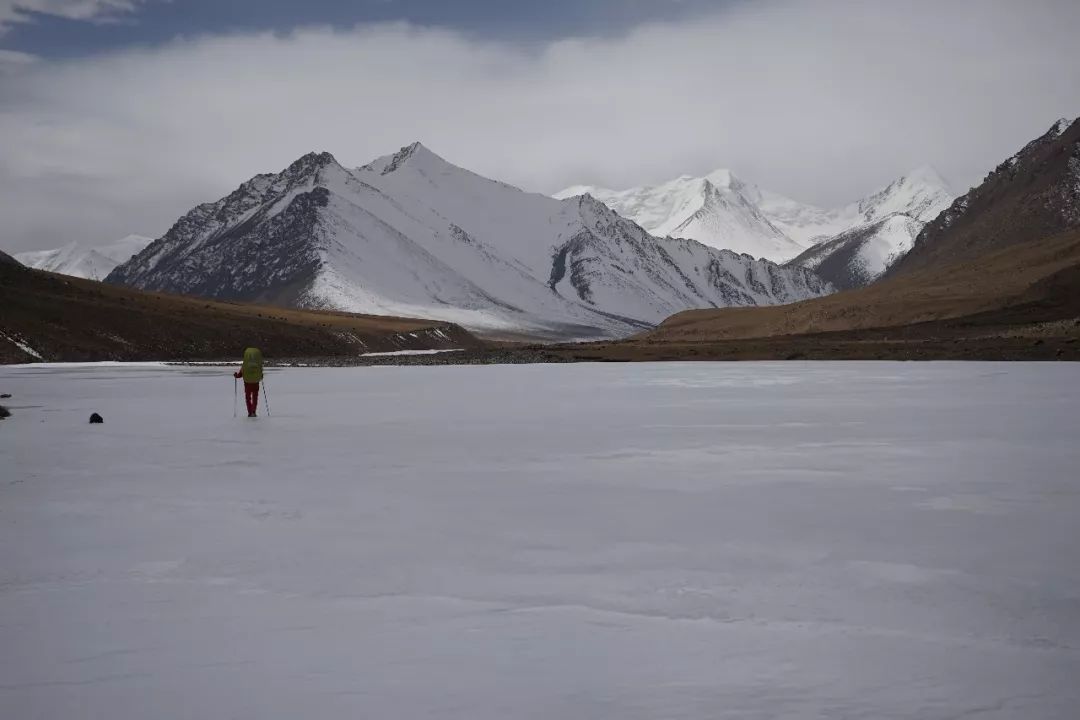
(755, 540)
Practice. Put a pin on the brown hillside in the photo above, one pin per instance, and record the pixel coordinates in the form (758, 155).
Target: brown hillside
(1030, 196)
(69, 319)
(993, 282)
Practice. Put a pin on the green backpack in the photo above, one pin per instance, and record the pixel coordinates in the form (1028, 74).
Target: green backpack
(252, 368)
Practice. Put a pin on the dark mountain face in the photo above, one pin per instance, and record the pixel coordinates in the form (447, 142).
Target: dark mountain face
(1032, 195)
(237, 234)
(6, 259)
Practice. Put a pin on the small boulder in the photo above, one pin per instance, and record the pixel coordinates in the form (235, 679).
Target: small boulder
(4, 412)
(96, 419)
(5, 396)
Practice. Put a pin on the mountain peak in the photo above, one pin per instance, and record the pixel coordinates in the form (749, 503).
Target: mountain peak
(718, 210)
(1060, 127)
(411, 154)
(311, 162)
(83, 260)
(402, 156)
(723, 179)
(925, 175)
(586, 200)
(589, 205)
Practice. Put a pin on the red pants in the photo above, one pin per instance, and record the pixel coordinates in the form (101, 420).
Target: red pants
(251, 397)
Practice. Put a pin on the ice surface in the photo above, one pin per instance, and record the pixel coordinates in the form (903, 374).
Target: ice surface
(831, 540)
(411, 352)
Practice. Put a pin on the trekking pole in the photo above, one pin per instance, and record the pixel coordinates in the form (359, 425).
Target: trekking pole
(234, 397)
(266, 398)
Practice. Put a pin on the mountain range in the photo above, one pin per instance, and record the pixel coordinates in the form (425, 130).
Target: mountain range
(849, 246)
(996, 274)
(411, 234)
(85, 261)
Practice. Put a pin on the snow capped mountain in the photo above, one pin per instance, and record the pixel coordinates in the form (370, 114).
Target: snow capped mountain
(920, 194)
(718, 210)
(411, 234)
(858, 256)
(873, 233)
(878, 231)
(724, 212)
(78, 260)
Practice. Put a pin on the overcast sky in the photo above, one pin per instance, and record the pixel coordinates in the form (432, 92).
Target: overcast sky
(117, 116)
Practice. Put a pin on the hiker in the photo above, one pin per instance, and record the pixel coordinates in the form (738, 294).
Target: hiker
(252, 373)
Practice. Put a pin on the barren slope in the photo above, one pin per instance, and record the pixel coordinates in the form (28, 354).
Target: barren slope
(69, 319)
(1032, 195)
(995, 281)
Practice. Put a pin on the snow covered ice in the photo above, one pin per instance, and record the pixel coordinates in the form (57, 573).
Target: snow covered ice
(757, 540)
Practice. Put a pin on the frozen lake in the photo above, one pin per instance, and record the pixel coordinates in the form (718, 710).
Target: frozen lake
(756, 540)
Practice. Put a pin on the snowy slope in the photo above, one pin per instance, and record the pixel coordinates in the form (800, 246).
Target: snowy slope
(921, 194)
(874, 233)
(411, 234)
(94, 263)
(717, 210)
(859, 256)
(722, 211)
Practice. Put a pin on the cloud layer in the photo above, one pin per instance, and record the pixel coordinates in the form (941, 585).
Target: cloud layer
(820, 99)
(15, 11)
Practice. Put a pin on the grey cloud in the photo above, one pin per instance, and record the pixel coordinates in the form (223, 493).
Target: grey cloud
(820, 99)
(16, 11)
(12, 60)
